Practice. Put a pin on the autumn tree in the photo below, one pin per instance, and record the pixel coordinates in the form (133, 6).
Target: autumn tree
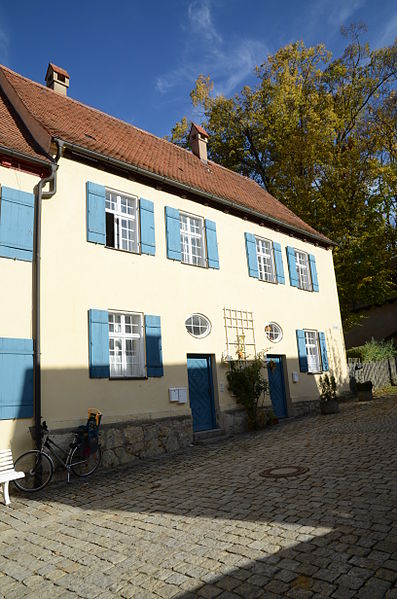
(320, 134)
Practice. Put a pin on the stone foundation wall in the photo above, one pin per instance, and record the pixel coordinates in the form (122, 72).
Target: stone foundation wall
(136, 440)
(306, 408)
(233, 421)
(125, 442)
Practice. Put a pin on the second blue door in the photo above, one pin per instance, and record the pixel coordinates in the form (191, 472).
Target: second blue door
(276, 385)
(201, 392)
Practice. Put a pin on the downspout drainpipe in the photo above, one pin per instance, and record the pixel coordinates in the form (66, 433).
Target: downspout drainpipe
(40, 195)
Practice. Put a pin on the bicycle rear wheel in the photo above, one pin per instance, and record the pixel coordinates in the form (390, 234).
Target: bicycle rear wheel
(85, 465)
(38, 469)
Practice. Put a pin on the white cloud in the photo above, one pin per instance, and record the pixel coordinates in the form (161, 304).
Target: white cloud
(228, 62)
(333, 13)
(200, 20)
(389, 34)
(339, 12)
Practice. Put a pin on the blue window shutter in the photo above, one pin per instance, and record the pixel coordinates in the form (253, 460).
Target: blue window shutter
(323, 349)
(154, 354)
(293, 273)
(96, 217)
(300, 337)
(146, 217)
(212, 244)
(278, 259)
(250, 246)
(98, 326)
(16, 378)
(313, 271)
(16, 224)
(173, 228)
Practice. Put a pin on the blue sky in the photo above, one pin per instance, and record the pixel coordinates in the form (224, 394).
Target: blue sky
(139, 60)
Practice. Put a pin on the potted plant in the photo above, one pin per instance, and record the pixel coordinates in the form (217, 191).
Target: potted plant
(364, 391)
(328, 401)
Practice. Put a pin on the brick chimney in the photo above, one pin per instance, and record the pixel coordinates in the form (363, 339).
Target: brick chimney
(57, 79)
(198, 139)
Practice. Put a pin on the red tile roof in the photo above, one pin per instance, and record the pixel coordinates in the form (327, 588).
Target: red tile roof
(76, 123)
(13, 135)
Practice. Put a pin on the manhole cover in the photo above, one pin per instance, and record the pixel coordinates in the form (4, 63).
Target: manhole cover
(284, 471)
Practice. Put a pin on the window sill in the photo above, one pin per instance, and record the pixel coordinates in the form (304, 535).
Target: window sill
(109, 247)
(128, 378)
(195, 265)
(266, 281)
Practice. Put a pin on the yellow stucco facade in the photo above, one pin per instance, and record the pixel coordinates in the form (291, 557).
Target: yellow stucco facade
(78, 275)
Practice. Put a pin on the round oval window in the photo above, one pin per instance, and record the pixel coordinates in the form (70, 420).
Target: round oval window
(273, 332)
(198, 325)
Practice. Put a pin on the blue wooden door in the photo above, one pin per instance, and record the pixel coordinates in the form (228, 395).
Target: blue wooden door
(201, 392)
(276, 385)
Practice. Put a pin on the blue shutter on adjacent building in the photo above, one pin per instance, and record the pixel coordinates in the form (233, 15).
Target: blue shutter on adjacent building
(98, 327)
(250, 247)
(300, 337)
(313, 271)
(278, 259)
(323, 349)
(16, 378)
(146, 217)
(16, 224)
(293, 273)
(154, 354)
(173, 229)
(96, 217)
(212, 244)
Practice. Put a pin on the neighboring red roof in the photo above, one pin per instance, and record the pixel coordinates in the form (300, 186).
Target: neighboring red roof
(13, 135)
(76, 123)
(200, 129)
(57, 70)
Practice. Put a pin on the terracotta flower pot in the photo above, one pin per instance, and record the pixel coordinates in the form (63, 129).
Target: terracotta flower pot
(329, 407)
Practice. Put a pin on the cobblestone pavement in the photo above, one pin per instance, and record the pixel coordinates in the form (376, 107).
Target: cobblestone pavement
(207, 523)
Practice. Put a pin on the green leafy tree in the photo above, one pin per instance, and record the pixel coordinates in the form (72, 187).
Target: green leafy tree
(320, 134)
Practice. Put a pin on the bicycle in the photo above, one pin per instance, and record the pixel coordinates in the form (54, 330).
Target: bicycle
(82, 458)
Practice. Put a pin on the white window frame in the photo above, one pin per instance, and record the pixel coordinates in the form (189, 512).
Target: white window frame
(123, 336)
(269, 332)
(265, 260)
(117, 198)
(313, 354)
(188, 237)
(205, 332)
(303, 270)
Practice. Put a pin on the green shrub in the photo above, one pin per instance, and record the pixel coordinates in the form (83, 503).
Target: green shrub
(246, 382)
(327, 387)
(373, 351)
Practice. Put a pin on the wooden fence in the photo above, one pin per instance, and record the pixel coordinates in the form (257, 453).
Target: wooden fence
(381, 373)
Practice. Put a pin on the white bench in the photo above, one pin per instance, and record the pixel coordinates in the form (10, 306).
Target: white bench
(7, 472)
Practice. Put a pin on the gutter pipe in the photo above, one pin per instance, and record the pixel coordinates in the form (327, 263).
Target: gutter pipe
(188, 188)
(39, 196)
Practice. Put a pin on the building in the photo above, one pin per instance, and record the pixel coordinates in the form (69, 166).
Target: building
(132, 271)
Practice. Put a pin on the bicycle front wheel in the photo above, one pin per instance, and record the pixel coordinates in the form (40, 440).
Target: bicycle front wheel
(84, 465)
(38, 469)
